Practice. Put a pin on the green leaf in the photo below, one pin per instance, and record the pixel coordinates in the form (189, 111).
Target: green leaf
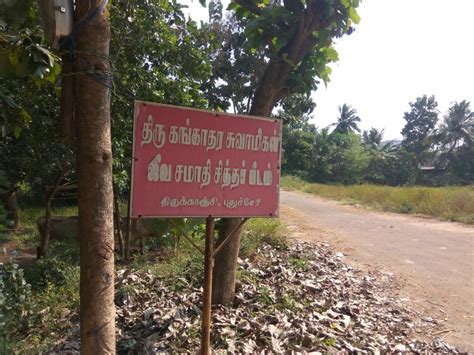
(13, 56)
(331, 54)
(46, 55)
(16, 131)
(346, 3)
(353, 15)
(25, 116)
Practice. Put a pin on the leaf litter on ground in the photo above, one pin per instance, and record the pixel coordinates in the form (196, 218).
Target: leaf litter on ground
(298, 298)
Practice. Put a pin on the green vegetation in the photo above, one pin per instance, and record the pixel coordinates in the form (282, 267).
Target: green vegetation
(447, 203)
(262, 230)
(38, 302)
(430, 153)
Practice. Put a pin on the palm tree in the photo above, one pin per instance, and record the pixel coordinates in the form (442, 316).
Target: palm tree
(457, 128)
(347, 120)
(373, 138)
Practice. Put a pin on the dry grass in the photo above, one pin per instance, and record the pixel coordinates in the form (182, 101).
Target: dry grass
(447, 203)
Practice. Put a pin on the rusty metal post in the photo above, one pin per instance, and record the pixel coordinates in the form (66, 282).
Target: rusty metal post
(207, 289)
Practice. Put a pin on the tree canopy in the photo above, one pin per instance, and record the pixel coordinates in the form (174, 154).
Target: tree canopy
(347, 120)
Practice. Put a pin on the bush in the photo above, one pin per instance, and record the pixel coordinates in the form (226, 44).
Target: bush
(17, 310)
(35, 304)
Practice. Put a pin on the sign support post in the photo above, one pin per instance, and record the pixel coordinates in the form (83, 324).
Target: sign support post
(207, 291)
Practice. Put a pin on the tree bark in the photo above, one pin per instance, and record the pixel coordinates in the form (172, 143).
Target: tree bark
(44, 242)
(12, 205)
(117, 222)
(128, 230)
(268, 93)
(94, 163)
(225, 269)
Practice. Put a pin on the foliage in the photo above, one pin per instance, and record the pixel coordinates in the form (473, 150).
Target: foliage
(37, 304)
(383, 157)
(273, 27)
(36, 156)
(348, 158)
(427, 155)
(23, 54)
(418, 131)
(457, 127)
(373, 138)
(16, 309)
(29, 102)
(324, 157)
(455, 138)
(298, 149)
(295, 111)
(236, 71)
(257, 52)
(347, 120)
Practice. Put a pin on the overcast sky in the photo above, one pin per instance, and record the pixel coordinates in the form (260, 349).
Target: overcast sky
(401, 50)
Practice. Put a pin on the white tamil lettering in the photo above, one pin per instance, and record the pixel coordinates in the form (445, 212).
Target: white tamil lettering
(147, 131)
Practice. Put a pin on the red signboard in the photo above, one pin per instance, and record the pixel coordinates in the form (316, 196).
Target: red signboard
(196, 163)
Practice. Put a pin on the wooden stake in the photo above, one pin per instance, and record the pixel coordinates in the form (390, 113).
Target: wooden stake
(207, 292)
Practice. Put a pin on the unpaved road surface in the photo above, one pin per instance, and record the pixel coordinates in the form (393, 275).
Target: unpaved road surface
(433, 260)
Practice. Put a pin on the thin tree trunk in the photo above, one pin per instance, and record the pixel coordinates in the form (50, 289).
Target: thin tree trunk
(12, 205)
(45, 237)
(94, 163)
(118, 226)
(128, 231)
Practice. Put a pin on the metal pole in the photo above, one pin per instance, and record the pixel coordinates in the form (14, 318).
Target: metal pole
(207, 292)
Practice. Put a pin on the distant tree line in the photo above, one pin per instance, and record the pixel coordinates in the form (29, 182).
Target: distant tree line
(432, 152)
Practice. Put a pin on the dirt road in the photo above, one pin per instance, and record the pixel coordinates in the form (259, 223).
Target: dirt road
(433, 260)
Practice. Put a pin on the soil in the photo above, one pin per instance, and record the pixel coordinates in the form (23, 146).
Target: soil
(433, 261)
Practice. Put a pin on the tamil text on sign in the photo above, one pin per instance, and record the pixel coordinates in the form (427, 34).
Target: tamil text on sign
(195, 163)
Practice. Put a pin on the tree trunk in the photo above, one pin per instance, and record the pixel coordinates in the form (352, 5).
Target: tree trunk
(12, 205)
(94, 163)
(117, 221)
(45, 237)
(270, 90)
(225, 267)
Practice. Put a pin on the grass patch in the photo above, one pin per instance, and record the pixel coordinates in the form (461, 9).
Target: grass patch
(289, 182)
(299, 264)
(28, 216)
(262, 230)
(446, 203)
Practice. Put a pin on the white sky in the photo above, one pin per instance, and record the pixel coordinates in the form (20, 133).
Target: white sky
(401, 50)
